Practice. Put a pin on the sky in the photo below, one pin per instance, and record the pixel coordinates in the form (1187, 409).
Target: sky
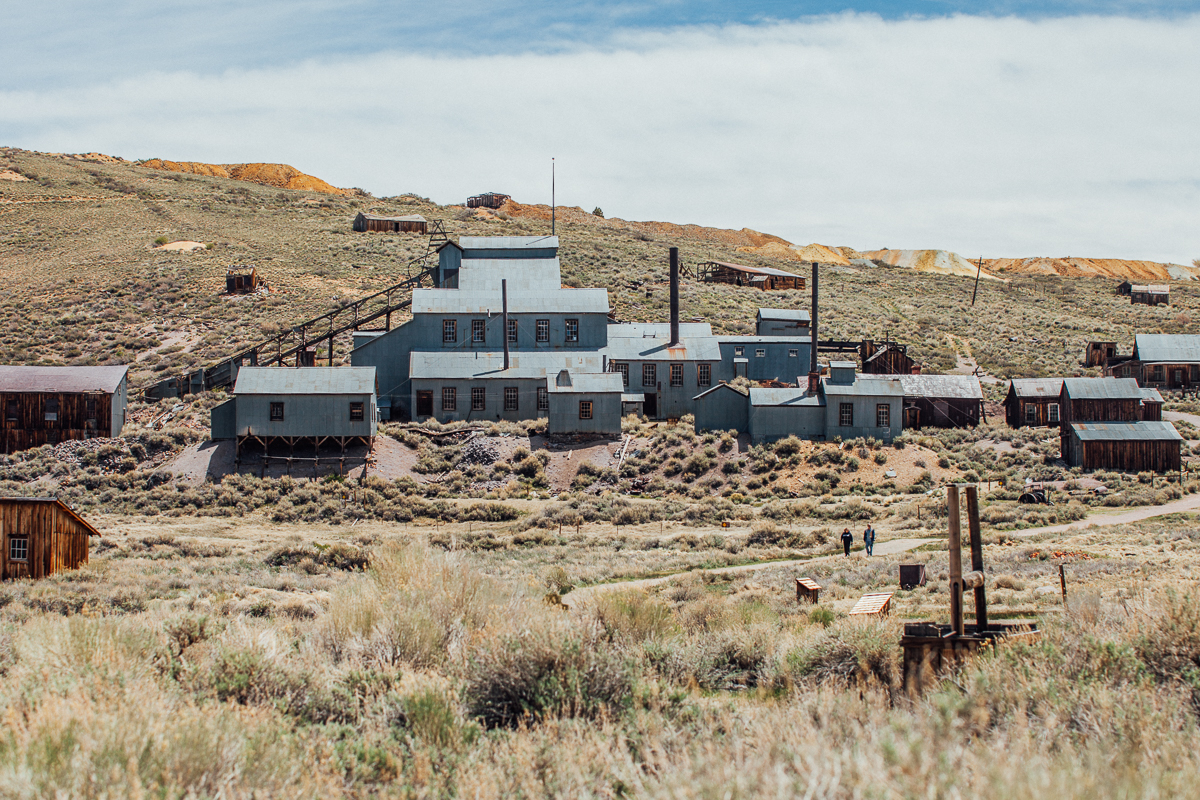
(1002, 129)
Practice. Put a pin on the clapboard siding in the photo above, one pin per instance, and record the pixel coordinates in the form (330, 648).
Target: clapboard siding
(57, 537)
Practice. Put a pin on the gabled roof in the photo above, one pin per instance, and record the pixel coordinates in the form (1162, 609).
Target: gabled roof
(1174, 348)
(507, 242)
(654, 348)
(757, 270)
(586, 383)
(1151, 396)
(305, 380)
(61, 379)
(1154, 288)
(1125, 431)
(1036, 387)
(790, 397)
(787, 314)
(1102, 389)
(404, 218)
(523, 298)
(91, 531)
(867, 386)
(718, 388)
(959, 387)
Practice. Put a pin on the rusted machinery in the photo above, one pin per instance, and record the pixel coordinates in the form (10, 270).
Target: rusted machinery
(931, 648)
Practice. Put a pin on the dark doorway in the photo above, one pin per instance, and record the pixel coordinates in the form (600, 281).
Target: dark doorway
(912, 417)
(425, 404)
(650, 407)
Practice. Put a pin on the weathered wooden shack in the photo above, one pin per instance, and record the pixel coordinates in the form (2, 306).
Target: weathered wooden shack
(1124, 446)
(941, 401)
(239, 281)
(1152, 403)
(886, 358)
(1165, 361)
(488, 200)
(1033, 402)
(1150, 294)
(40, 536)
(1098, 354)
(1100, 400)
(374, 223)
(1125, 287)
(764, 278)
(47, 405)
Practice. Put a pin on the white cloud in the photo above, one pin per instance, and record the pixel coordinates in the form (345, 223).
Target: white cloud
(1001, 137)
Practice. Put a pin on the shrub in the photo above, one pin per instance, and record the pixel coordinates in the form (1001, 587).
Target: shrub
(634, 615)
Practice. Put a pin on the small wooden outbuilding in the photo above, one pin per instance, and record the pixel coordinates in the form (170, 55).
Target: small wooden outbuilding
(488, 200)
(373, 223)
(40, 536)
(239, 281)
(1033, 402)
(741, 275)
(941, 401)
(887, 358)
(1150, 295)
(1125, 446)
(1098, 354)
(47, 405)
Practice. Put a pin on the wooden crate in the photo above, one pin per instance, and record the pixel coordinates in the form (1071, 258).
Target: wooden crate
(873, 604)
(807, 590)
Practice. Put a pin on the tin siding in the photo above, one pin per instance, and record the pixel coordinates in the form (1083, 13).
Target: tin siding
(494, 398)
(723, 410)
(770, 423)
(606, 413)
(304, 415)
(864, 417)
(775, 365)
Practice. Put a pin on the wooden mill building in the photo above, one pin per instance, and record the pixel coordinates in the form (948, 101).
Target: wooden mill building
(40, 536)
(887, 358)
(373, 223)
(47, 405)
(740, 275)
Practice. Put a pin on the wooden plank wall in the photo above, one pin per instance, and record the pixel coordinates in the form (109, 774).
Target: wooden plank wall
(956, 413)
(1129, 456)
(30, 428)
(56, 540)
(1102, 410)
(1015, 411)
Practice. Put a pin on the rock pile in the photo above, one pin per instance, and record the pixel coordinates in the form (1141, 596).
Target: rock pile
(477, 452)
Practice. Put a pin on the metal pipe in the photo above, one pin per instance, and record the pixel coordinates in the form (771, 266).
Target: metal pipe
(674, 297)
(553, 206)
(814, 366)
(981, 620)
(504, 332)
(956, 588)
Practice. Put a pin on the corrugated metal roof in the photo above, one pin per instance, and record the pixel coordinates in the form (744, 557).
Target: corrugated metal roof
(718, 388)
(1125, 431)
(633, 398)
(1151, 396)
(764, 339)
(693, 348)
(484, 365)
(1037, 387)
(867, 386)
(843, 365)
(521, 300)
(1154, 288)
(61, 379)
(958, 387)
(1173, 348)
(404, 218)
(1102, 389)
(507, 242)
(305, 380)
(787, 314)
(587, 383)
(785, 397)
(638, 330)
(757, 270)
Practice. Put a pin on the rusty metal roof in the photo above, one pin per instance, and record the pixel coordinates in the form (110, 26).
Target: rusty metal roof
(1102, 389)
(757, 270)
(61, 379)
(1125, 432)
(958, 387)
(1037, 387)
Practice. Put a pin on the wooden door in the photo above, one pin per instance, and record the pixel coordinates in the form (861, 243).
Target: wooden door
(425, 404)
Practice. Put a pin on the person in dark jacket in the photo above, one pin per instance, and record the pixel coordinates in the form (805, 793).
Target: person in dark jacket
(869, 538)
(847, 540)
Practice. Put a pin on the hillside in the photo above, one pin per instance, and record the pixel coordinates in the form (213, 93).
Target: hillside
(281, 176)
(1094, 268)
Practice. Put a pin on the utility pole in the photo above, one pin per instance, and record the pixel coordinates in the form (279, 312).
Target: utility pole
(553, 207)
(978, 269)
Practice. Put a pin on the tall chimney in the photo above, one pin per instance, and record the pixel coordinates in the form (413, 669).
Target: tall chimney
(813, 365)
(674, 296)
(504, 332)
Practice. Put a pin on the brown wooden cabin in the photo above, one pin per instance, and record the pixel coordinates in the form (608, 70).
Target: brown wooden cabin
(887, 358)
(40, 536)
(48, 405)
(1150, 295)
(1124, 446)
(941, 401)
(488, 200)
(1125, 287)
(763, 278)
(372, 223)
(240, 282)
(1166, 361)
(1097, 354)
(1152, 403)
(1033, 402)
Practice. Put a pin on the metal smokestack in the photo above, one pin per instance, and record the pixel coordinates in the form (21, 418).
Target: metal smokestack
(814, 366)
(504, 332)
(674, 296)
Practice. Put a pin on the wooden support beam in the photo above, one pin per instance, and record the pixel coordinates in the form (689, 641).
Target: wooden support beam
(956, 588)
(981, 620)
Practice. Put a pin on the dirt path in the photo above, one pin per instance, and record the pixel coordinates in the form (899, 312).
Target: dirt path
(1189, 503)
(882, 548)
(1181, 416)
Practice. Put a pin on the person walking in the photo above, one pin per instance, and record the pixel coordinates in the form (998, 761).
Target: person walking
(847, 540)
(869, 539)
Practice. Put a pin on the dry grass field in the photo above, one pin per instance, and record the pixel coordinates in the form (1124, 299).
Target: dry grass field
(492, 614)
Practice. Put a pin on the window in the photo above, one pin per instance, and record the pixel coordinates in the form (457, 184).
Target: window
(12, 411)
(760, 353)
(585, 409)
(276, 412)
(677, 374)
(478, 331)
(1158, 372)
(649, 375)
(883, 415)
(739, 351)
(51, 409)
(449, 331)
(512, 331)
(18, 548)
(90, 415)
(572, 330)
(478, 398)
(703, 374)
(449, 398)
(356, 412)
(846, 415)
(793, 353)
(542, 330)
(1031, 414)
(510, 398)
(621, 368)
(543, 399)
(1053, 413)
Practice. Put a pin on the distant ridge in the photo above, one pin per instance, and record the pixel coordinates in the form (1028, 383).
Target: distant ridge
(282, 176)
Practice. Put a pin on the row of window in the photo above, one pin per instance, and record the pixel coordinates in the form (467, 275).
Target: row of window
(541, 331)
(883, 415)
(1051, 414)
(512, 399)
(356, 412)
(761, 352)
(650, 374)
(50, 409)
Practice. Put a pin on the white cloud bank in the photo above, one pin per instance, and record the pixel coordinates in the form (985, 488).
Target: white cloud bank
(1001, 137)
